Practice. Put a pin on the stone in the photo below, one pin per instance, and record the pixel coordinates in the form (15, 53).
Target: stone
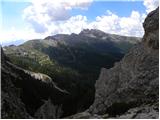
(134, 80)
(49, 111)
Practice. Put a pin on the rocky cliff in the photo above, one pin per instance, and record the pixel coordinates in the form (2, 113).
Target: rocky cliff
(131, 88)
(11, 104)
(128, 90)
(24, 93)
(72, 61)
(134, 80)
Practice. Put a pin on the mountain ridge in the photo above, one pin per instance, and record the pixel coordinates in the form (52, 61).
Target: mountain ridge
(131, 88)
(93, 33)
(72, 62)
(64, 69)
(24, 92)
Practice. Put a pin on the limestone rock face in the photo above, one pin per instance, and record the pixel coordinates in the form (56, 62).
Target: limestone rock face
(142, 112)
(134, 80)
(151, 27)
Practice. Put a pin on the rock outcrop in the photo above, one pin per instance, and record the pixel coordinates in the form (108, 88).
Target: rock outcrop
(133, 81)
(141, 112)
(128, 90)
(11, 103)
(151, 27)
(24, 93)
(47, 109)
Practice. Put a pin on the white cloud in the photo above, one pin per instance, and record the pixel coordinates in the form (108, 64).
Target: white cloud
(49, 17)
(131, 25)
(52, 17)
(14, 34)
(112, 23)
(151, 5)
(73, 25)
(44, 13)
(109, 23)
(41, 15)
(67, 4)
(82, 4)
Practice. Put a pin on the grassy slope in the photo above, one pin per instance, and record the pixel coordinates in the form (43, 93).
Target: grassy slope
(73, 65)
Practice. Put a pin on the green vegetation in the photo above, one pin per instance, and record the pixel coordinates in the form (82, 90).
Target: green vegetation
(73, 63)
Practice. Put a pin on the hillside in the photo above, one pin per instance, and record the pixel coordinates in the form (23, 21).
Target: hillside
(72, 61)
(24, 93)
(131, 88)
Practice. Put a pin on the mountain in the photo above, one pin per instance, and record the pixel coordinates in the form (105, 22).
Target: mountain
(131, 88)
(11, 104)
(24, 93)
(77, 50)
(55, 77)
(72, 61)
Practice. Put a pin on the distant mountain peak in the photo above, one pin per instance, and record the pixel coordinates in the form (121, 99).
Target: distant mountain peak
(95, 34)
(56, 37)
(91, 31)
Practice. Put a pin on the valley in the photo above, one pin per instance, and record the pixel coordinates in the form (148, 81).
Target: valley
(73, 62)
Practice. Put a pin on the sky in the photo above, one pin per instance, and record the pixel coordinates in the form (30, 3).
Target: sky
(36, 19)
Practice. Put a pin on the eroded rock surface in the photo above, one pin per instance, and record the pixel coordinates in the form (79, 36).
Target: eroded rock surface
(142, 112)
(11, 104)
(24, 93)
(128, 90)
(134, 80)
(49, 111)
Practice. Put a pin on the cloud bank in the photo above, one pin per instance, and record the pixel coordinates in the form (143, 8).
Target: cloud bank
(49, 17)
(150, 5)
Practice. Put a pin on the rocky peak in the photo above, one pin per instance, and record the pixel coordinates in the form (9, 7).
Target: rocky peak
(57, 37)
(151, 27)
(49, 38)
(85, 31)
(92, 32)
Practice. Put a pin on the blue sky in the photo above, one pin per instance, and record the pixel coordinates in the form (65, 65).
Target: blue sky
(12, 11)
(46, 18)
(12, 14)
(120, 8)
